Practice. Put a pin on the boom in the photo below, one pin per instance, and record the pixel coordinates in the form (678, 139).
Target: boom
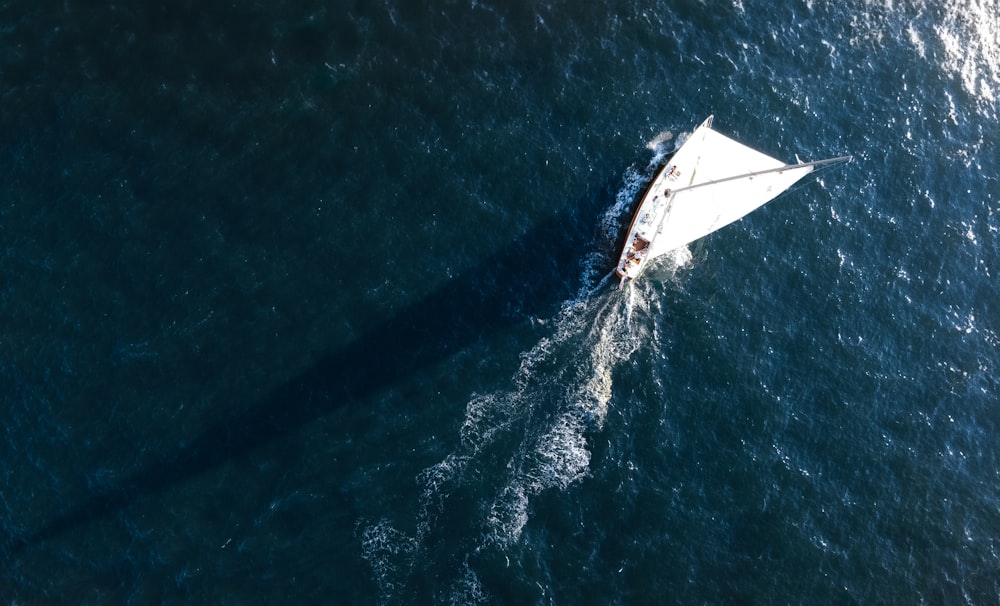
(764, 172)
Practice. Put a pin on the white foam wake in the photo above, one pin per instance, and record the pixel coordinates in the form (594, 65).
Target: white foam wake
(520, 441)
(516, 443)
(562, 391)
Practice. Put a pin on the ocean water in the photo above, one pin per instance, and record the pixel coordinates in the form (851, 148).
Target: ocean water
(309, 303)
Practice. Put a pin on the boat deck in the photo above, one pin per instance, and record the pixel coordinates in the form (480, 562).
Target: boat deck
(647, 220)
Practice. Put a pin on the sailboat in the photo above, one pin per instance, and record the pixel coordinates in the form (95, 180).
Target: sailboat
(710, 182)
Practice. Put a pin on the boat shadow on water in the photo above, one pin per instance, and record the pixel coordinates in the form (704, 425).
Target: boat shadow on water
(529, 278)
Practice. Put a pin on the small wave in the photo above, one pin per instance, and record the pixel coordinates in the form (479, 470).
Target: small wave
(611, 222)
(389, 553)
(660, 138)
(964, 31)
(507, 516)
(562, 455)
(467, 589)
(969, 35)
(435, 480)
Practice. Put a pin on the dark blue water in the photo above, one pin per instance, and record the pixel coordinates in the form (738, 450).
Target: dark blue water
(305, 303)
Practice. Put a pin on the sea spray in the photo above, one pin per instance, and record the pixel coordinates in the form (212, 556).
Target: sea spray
(660, 138)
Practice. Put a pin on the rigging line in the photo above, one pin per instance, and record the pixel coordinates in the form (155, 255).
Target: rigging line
(800, 184)
(779, 169)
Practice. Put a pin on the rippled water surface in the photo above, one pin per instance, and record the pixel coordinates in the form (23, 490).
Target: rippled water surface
(309, 303)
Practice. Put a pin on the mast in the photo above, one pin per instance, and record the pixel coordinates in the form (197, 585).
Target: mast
(779, 169)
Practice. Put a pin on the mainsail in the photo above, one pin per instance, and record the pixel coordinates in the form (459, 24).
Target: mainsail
(710, 182)
(726, 183)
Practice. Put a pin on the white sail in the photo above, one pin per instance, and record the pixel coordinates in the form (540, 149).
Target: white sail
(721, 187)
(710, 182)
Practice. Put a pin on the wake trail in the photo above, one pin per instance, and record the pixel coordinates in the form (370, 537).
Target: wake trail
(514, 444)
(520, 441)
